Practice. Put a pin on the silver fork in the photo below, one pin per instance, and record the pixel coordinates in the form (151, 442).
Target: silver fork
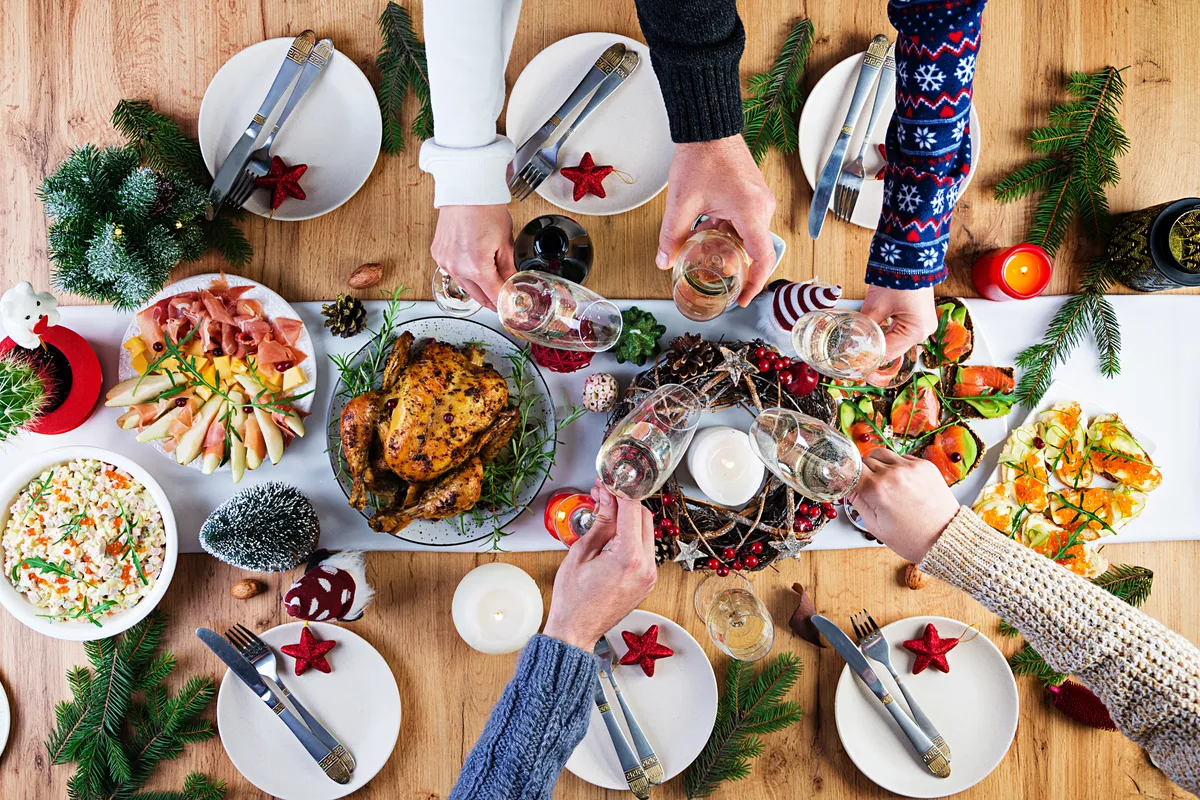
(545, 161)
(873, 644)
(260, 654)
(259, 163)
(850, 179)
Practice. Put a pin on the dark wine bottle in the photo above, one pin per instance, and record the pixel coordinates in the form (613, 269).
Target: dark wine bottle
(555, 244)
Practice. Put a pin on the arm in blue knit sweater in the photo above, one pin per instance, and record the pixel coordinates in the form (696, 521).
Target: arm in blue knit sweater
(544, 711)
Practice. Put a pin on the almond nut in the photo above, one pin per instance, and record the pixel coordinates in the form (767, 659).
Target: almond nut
(366, 276)
(246, 588)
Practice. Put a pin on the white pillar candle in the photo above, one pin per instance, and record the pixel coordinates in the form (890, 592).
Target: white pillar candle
(497, 608)
(724, 466)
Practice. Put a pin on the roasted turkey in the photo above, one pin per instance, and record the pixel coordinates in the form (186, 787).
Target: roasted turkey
(422, 439)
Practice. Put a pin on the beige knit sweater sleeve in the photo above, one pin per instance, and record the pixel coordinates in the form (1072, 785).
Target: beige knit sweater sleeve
(1147, 676)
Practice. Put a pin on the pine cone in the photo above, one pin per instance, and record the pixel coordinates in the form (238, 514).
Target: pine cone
(345, 317)
(166, 192)
(664, 550)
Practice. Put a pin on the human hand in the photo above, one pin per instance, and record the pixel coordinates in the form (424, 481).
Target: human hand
(904, 502)
(605, 575)
(474, 244)
(912, 312)
(720, 179)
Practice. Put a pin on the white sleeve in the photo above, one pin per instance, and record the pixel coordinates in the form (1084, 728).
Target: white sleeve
(467, 44)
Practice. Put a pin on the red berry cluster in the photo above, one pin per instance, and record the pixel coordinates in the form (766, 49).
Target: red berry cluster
(796, 377)
(808, 514)
(732, 559)
(663, 524)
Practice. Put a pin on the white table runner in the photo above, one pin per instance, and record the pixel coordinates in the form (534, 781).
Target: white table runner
(1158, 393)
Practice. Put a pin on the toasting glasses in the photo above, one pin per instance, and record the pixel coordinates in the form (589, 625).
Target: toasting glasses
(849, 345)
(806, 454)
(551, 311)
(646, 446)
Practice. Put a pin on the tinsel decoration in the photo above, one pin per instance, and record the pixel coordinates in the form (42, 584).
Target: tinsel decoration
(1079, 703)
(24, 393)
(562, 361)
(401, 66)
(346, 316)
(640, 333)
(774, 98)
(270, 527)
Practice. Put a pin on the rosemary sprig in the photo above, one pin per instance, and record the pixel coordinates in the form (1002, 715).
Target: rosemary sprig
(356, 380)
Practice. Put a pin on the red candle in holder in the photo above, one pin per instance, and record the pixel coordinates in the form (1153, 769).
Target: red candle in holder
(1017, 273)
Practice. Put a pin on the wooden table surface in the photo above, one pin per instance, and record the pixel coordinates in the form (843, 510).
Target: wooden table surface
(67, 62)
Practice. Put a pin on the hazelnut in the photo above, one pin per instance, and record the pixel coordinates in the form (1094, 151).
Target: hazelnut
(365, 276)
(246, 588)
(913, 577)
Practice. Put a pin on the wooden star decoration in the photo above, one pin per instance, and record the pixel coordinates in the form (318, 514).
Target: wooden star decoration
(689, 553)
(789, 546)
(735, 365)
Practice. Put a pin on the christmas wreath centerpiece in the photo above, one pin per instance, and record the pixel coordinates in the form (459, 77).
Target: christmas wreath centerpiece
(778, 521)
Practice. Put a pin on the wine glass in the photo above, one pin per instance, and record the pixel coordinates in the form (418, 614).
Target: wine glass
(895, 372)
(646, 446)
(450, 297)
(839, 343)
(710, 270)
(808, 455)
(737, 620)
(548, 310)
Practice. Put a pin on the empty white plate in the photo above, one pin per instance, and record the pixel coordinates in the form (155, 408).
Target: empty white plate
(821, 121)
(974, 706)
(358, 702)
(335, 129)
(676, 709)
(630, 131)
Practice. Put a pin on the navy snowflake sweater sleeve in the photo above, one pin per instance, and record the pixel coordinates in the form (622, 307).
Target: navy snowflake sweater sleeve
(928, 141)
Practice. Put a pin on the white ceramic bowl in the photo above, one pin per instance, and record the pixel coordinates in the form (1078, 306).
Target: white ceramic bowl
(83, 631)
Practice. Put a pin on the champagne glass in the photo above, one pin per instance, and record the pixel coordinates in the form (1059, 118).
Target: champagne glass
(548, 310)
(646, 446)
(813, 458)
(839, 343)
(895, 372)
(737, 620)
(450, 297)
(710, 270)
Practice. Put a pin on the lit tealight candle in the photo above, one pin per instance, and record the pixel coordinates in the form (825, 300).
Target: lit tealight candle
(497, 608)
(724, 466)
(1017, 273)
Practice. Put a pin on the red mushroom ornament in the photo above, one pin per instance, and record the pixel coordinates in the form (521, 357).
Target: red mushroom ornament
(333, 588)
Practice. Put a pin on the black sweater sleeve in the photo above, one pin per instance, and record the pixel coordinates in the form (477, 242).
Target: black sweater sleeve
(695, 47)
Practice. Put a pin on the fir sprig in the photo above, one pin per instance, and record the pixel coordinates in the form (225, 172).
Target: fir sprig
(749, 709)
(401, 65)
(1082, 142)
(157, 138)
(773, 98)
(116, 739)
(1126, 582)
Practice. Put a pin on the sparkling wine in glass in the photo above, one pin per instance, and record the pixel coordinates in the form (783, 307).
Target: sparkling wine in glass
(813, 458)
(450, 297)
(646, 446)
(839, 343)
(710, 270)
(737, 620)
(548, 310)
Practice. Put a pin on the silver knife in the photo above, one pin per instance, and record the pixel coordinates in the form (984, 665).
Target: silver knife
(872, 62)
(650, 763)
(935, 762)
(627, 66)
(233, 164)
(326, 759)
(604, 65)
(635, 775)
(318, 59)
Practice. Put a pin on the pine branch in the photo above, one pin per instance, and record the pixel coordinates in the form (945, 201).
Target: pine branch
(1028, 661)
(774, 98)
(1082, 142)
(157, 139)
(228, 239)
(747, 709)
(1128, 582)
(1008, 630)
(401, 65)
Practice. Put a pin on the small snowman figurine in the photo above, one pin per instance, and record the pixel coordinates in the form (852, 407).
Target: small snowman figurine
(27, 314)
(65, 358)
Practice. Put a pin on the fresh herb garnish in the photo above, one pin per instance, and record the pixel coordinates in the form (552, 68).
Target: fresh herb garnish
(131, 550)
(43, 566)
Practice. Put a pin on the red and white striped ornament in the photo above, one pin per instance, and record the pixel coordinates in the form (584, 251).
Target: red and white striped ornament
(787, 302)
(333, 588)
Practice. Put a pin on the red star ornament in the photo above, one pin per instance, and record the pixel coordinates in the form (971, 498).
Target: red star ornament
(644, 650)
(587, 177)
(930, 649)
(309, 652)
(283, 181)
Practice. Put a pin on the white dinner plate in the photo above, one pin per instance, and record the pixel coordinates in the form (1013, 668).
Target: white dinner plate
(974, 706)
(630, 131)
(676, 709)
(5, 719)
(358, 703)
(273, 306)
(335, 129)
(821, 121)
